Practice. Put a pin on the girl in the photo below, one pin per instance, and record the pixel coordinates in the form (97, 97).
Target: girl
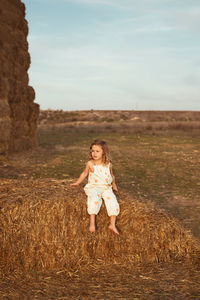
(101, 184)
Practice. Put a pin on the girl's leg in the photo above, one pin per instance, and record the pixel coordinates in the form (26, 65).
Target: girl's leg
(112, 225)
(92, 226)
(94, 202)
(112, 207)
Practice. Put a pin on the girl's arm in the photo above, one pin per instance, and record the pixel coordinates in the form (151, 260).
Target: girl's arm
(83, 175)
(114, 186)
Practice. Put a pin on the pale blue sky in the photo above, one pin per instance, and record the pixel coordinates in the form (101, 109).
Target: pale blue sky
(115, 54)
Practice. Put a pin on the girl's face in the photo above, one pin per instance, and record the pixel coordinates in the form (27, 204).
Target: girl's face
(97, 153)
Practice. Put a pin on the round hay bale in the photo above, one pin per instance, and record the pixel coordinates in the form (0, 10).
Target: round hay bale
(44, 226)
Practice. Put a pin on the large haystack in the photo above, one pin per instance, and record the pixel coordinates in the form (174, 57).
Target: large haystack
(18, 113)
(44, 226)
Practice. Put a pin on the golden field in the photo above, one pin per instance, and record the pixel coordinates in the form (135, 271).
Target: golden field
(46, 249)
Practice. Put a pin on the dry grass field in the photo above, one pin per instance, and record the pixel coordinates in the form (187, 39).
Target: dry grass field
(46, 250)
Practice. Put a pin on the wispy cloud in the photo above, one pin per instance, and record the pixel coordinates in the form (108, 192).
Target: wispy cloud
(155, 30)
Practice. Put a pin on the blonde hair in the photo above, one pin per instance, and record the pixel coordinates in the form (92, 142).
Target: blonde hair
(106, 155)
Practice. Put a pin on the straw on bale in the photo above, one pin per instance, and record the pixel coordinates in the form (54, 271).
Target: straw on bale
(44, 226)
(16, 96)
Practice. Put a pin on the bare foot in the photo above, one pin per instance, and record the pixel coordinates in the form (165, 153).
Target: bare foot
(113, 228)
(92, 228)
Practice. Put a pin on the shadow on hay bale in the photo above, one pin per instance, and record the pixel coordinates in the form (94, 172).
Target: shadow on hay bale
(44, 226)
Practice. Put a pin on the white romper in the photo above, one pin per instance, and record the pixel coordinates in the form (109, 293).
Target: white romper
(98, 187)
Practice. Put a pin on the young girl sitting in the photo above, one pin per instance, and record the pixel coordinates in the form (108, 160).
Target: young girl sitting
(101, 184)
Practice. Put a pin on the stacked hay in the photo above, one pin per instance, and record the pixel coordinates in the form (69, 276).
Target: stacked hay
(5, 123)
(44, 226)
(18, 113)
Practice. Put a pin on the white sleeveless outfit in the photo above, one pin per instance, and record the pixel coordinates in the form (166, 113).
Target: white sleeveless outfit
(98, 187)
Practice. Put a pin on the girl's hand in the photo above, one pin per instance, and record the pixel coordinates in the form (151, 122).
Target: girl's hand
(74, 184)
(83, 175)
(114, 187)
